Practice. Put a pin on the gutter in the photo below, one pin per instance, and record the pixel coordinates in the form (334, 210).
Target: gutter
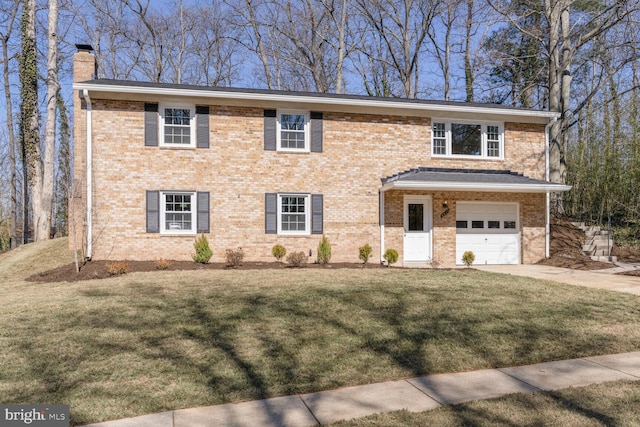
(486, 187)
(547, 216)
(381, 207)
(84, 94)
(326, 101)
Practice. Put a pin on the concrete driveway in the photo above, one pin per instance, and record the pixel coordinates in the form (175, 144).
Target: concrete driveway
(602, 279)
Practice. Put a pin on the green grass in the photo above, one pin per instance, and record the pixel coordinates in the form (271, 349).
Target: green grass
(601, 405)
(148, 342)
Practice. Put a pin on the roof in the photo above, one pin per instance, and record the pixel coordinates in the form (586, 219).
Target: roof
(327, 101)
(441, 179)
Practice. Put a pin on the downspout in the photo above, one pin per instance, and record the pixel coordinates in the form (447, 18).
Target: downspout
(381, 204)
(547, 226)
(85, 96)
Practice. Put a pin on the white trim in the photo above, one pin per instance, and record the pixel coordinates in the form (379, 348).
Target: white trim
(310, 99)
(547, 216)
(381, 207)
(306, 131)
(307, 214)
(194, 213)
(484, 145)
(427, 200)
(474, 186)
(85, 95)
(192, 124)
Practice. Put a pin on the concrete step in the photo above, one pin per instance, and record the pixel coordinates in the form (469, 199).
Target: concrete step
(592, 229)
(601, 233)
(604, 258)
(598, 241)
(590, 248)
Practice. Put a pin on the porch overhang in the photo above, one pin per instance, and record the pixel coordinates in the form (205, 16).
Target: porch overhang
(487, 181)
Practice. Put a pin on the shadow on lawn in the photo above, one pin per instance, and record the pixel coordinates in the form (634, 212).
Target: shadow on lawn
(259, 345)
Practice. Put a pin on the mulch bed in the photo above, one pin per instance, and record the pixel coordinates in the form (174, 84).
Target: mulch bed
(566, 248)
(99, 269)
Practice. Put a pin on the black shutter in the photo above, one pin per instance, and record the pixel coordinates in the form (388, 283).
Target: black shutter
(316, 214)
(151, 125)
(316, 132)
(202, 127)
(271, 213)
(153, 211)
(270, 130)
(203, 211)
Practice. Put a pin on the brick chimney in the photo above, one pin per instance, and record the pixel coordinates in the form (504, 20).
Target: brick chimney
(84, 68)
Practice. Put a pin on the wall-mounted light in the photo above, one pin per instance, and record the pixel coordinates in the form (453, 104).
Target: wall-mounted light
(310, 252)
(445, 205)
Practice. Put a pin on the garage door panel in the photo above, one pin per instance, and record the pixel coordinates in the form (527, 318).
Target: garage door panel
(497, 242)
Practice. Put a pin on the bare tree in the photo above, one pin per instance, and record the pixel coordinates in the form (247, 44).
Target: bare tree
(29, 117)
(43, 226)
(247, 17)
(403, 27)
(13, 180)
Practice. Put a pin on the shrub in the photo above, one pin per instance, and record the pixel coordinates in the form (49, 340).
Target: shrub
(234, 257)
(163, 264)
(279, 252)
(435, 262)
(203, 251)
(297, 259)
(324, 251)
(117, 268)
(391, 256)
(365, 253)
(467, 258)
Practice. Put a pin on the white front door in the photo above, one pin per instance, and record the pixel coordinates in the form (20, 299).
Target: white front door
(417, 228)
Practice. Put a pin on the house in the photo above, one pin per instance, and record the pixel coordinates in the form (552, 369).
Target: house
(157, 164)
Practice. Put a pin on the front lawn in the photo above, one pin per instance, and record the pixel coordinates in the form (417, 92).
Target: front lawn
(149, 342)
(613, 404)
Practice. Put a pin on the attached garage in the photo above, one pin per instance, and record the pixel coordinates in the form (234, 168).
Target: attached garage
(491, 227)
(489, 230)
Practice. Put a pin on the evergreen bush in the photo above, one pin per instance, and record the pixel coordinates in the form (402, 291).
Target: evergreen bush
(365, 253)
(324, 251)
(468, 257)
(391, 256)
(203, 251)
(279, 252)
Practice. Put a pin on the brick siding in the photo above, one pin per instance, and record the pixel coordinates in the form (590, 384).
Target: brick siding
(359, 150)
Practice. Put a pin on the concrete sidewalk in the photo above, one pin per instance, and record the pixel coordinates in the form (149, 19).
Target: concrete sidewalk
(601, 279)
(414, 394)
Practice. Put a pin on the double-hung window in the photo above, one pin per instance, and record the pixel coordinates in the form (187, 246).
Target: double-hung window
(177, 126)
(467, 139)
(294, 214)
(178, 211)
(293, 131)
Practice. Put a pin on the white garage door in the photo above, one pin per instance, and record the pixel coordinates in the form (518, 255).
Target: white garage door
(489, 230)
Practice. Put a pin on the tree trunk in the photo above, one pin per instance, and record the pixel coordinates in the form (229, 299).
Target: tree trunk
(10, 133)
(30, 128)
(43, 231)
(341, 46)
(468, 71)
